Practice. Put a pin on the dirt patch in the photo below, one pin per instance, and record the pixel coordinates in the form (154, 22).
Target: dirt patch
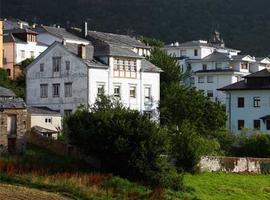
(11, 192)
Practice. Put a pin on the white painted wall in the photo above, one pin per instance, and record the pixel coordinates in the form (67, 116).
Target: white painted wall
(27, 48)
(77, 76)
(40, 120)
(249, 112)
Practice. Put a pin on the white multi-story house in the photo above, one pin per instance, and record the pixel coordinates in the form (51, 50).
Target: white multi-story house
(68, 75)
(248, 103)
(212, 65)
(20, 44)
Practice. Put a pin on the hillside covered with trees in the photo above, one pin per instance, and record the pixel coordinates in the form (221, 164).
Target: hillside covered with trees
(245, 24)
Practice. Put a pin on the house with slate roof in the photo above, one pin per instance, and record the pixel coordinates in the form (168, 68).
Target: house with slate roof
(68, 75)
(13, 117)
(248, 102)
(211, 65)
(20, 44)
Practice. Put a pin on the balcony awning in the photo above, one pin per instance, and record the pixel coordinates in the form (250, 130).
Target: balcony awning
(266, 117)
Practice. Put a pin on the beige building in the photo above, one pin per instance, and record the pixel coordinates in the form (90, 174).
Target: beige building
(13, 117)
(1, 43)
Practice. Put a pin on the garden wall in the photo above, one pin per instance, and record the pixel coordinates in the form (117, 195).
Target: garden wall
(234, 164)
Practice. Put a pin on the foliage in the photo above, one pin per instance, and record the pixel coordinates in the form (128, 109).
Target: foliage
(126, 142)
(153, 42)
(171, 21)
(189, 146)
(182, 103)
(256, 144)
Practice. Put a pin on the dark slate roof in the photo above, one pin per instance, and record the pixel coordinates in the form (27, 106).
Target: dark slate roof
(149, 67)
(5, 92)
(199, 43)
(74, 49)
(216, 70)
(266, 117)
(8, 38)
(242, 85)
(216, 57)
(14, 23)
(240, 57)
(59, 32)
(18, 30)
(117, 39)
(39, 129)
(262, 73)
(42, 111)
(113, 50)
(12, 103)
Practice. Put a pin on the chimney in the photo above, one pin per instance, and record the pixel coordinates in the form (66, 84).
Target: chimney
(64, 42)
(85, 29)
(82, 51)
(21, 25)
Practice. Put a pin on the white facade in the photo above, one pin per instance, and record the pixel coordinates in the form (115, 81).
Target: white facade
(26, 50)
(250, 111)
(211, 66)
(87, 80)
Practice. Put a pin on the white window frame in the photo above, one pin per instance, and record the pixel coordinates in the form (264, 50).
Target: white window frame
(68, 89)
(117, 95)
(134, 87)
(201, 79)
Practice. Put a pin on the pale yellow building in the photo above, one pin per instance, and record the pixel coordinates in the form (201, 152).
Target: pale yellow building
(1, 43)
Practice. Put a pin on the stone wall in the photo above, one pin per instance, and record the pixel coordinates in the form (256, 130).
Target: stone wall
(235, 164)
(21, 115)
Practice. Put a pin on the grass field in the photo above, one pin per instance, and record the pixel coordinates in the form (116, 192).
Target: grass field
(40, 174)
(221, 186)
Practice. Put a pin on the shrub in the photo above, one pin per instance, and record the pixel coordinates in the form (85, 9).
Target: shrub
(253, 145)
(189, 146)
(126, 142)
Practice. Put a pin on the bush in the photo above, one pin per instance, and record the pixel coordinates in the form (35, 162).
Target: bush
(126, 142)
(189, 146)
(253, 145)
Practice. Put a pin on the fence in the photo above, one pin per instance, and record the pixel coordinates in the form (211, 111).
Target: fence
(234, 164)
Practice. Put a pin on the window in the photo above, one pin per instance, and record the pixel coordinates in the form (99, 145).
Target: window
(148, 114)
(125, 68)
(22, 54)
(244, 65)
(210, 93)
(48, 120)
(210, 79)
(218, 65)
(56, 64)
(56, 90)
(147, 94)
(32, 54)
(204, 66)
(241, 102)
(192, 80)
(195, 52)
(67, 112)
(132, 91)
(183, 53)
(257, 124)
(67, 65)
(41, 67)
(100, 89)
(8, 72)
(116, 91)
(43, 90)
(201, 79)
(256, 102)
(68, 89)
(241, 124)
(268, 124)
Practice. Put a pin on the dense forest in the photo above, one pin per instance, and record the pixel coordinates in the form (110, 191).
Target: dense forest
(244, 24)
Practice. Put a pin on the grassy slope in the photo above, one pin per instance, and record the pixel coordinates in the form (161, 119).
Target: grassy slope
(12, 192)
(222, 186)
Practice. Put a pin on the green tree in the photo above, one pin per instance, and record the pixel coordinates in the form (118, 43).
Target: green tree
(126, 142)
